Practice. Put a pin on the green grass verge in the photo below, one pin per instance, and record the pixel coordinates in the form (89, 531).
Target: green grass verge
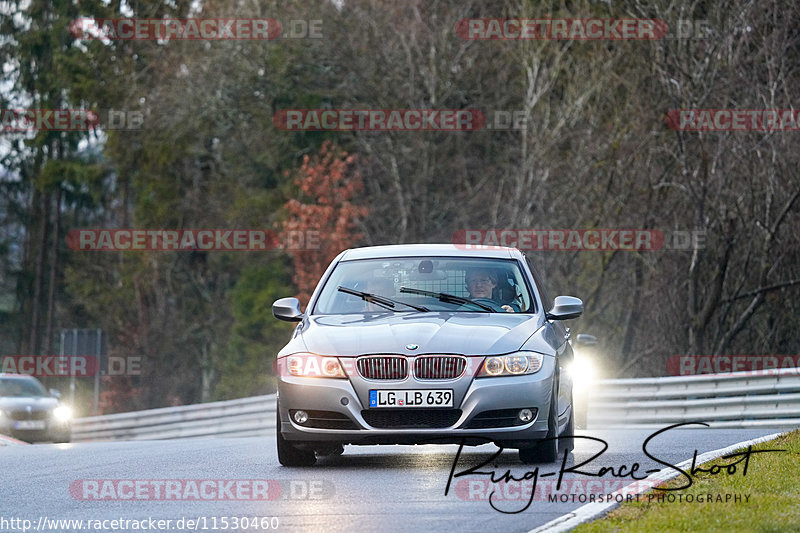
(772, 482)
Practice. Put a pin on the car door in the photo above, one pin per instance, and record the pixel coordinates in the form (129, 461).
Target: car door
(564, 352)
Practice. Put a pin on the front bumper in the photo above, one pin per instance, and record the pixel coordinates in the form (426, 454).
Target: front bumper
(472, 396)
(54, 431)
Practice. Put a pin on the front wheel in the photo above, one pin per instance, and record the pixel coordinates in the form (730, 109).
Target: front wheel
(567, 437)
(289, 455)
(333, 451)
(545, 450)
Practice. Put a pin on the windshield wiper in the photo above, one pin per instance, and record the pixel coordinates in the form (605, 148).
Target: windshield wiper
(383, 301)
(447, 298)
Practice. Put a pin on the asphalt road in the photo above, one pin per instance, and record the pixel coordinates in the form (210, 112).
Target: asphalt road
(372, 488)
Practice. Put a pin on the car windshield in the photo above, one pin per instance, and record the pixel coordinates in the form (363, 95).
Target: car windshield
(432, 283)
(21, 387)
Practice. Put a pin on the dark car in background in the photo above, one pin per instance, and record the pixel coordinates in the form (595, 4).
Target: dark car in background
(31, 413)
(414, 344)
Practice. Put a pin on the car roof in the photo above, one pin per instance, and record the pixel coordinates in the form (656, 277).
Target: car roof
(433, 250)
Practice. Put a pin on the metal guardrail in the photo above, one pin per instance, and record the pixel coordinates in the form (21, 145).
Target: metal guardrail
(769, 398)
(246, 417)
(751, 399)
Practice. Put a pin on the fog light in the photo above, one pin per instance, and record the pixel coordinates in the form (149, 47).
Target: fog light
(301, 417)
(525, 415)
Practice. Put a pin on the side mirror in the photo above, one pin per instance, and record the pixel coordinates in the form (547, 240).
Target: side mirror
(55, 393)
(565, 307)
(287, 309)
(584, 339)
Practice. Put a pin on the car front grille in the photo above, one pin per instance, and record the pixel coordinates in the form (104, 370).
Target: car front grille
(411, 418)
(382, 367)
(20, 414)
(439, 367)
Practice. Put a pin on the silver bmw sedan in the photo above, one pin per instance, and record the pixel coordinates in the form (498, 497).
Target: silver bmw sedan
(426, 343)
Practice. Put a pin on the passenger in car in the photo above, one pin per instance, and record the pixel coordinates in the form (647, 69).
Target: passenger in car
(481, 283)
(380, 287)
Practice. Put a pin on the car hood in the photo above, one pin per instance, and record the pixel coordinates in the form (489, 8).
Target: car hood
(461, 333)
(13, 403)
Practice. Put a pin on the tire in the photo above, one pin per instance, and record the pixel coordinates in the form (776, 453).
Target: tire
(331, 452)
(289, 455)
(566, 440)
(545, 450)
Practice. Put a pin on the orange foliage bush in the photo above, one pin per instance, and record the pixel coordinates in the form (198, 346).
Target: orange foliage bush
(328, 185)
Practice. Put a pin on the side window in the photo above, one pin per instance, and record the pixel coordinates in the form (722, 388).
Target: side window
(546, 301)
(512, 288)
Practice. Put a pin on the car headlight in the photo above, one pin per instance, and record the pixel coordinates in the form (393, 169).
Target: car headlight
(309, 365)
(514, 364)
(62, 413)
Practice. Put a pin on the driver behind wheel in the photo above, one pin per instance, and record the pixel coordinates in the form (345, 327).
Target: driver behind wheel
(481, 283)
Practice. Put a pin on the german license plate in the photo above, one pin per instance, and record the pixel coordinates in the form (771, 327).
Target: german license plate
(411, 398)
(29, 424)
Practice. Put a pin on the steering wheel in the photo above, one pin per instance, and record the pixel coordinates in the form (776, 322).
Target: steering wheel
(490, 303)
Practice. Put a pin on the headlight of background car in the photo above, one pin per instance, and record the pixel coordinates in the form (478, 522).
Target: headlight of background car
(514, 364)
(583, 372)
(584, 369)
(310, 365)
(62, 413)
